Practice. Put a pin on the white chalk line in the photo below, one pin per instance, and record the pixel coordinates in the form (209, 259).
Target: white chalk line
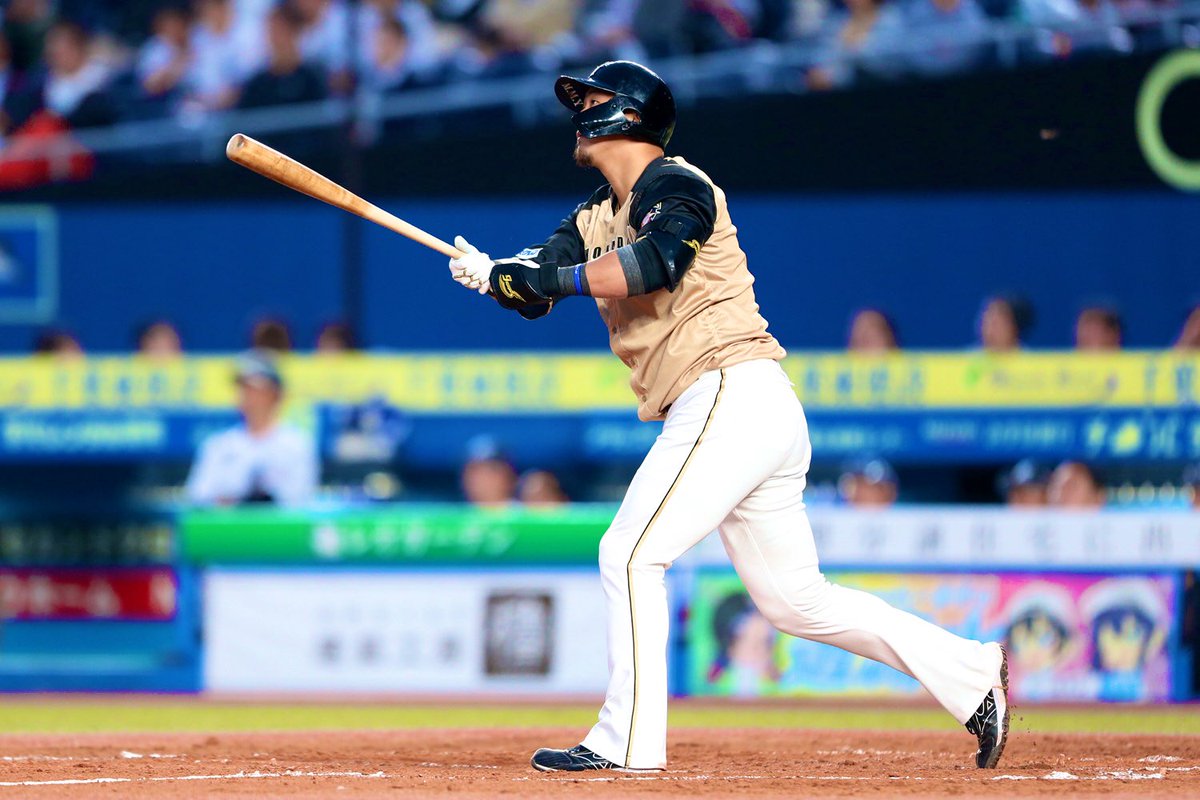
(1147, 773)
(290, 773)
(122, 754)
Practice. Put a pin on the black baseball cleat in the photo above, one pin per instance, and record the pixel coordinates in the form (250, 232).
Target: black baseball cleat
(989, 723)
(577, 759)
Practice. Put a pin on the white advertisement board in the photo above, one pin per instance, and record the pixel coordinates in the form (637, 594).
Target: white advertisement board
(404, 631)
(992, 538)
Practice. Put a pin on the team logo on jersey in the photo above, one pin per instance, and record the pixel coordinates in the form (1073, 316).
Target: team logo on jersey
(507, 290)
(654, 211)
(529, 252)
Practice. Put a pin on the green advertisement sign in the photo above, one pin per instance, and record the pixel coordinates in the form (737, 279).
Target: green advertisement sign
(395, 535)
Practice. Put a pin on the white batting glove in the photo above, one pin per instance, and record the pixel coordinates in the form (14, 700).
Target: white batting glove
(473, 270)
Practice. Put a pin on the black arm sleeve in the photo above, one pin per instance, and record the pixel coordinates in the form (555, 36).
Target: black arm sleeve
(565, 247)
(677, 212)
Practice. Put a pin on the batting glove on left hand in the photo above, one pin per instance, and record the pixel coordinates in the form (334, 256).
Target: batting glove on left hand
(473, 269)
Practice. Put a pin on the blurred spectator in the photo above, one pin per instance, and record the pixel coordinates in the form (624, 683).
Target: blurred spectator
(223, 54)
(1098, 328)
(420, 33)
(1074, 485)
(323, 38)
(488, 478)
(946, 36)
(26, 23)
(9, 89)
(1025, 485)
(870, 483)
(286, 78)
(527, 25)
(721, 24)
(661, 27)
(58, 343)
(1003, 323)
(489, 53)
(808, 17)
(861, 37)
(1191, 483)
(159, 340)
(166, 57)
(871, 331)
(391, 66)
(261, 460)
(540, 487)
(75, 85)
(1069, 27)
(1189, 334)
(272, 335)
(336, 337)
(603, 31)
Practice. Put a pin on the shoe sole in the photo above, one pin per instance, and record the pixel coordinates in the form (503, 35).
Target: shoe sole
(540, 768)
(994, 759)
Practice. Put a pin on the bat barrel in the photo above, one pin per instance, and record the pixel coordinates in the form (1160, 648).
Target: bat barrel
(256, 156)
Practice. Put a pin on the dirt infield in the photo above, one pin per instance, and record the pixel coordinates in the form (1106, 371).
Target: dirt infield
(494, 763)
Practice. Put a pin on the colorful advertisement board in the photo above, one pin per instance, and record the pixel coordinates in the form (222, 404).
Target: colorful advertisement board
(1069, 637)
(92, 594)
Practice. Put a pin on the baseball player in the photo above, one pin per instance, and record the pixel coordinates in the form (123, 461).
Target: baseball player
(656, 248)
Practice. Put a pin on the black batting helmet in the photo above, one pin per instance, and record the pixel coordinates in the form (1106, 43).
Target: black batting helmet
(635, 88)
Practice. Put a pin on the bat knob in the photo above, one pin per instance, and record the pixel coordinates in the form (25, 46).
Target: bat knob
(236, 142)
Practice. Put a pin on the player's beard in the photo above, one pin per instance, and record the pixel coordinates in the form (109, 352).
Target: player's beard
(582, 157)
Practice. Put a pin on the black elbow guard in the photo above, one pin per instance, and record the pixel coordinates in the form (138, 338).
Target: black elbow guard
(536, 312)
(669, 248)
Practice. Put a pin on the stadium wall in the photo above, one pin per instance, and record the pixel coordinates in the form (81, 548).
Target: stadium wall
(928, 260)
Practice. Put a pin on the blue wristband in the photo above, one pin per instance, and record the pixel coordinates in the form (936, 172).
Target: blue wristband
(572, 280)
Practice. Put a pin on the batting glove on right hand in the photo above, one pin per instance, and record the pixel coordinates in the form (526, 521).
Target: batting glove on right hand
(473, 269)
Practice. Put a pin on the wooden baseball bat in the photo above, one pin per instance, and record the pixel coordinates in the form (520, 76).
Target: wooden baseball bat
(256, 156)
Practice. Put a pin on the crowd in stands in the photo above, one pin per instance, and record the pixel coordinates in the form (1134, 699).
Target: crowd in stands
(1004, 322)
(93, 62)
(1072, 485)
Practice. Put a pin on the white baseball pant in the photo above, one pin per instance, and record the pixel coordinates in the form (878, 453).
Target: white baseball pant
(732, 456)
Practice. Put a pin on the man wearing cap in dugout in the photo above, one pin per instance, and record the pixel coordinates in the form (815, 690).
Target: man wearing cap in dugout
(261, 460)
(656, 249)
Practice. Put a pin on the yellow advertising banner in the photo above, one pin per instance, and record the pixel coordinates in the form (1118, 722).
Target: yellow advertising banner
(527, 382)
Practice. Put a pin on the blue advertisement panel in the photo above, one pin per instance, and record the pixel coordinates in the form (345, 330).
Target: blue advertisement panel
(28, 264)
(1069, 637)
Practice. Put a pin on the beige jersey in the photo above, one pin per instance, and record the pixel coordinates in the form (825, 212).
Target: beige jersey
(669, 337)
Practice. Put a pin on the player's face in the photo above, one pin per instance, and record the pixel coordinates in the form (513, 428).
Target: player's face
(258, 402)
(1028, 495)
(586, 149)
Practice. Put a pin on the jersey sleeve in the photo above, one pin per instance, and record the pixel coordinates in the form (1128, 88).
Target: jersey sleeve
(295, 470)
(673, 216)
(565, 246)
(205, 478)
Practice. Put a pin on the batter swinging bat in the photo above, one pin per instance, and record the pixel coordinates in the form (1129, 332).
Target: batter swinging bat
(256, 156)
